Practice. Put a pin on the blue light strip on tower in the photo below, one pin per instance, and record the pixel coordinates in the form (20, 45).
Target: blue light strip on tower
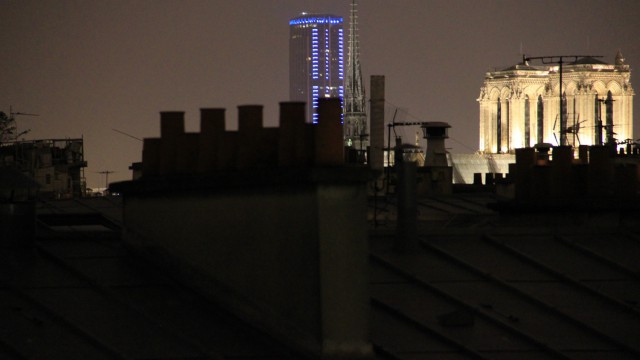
(326, 56)
(314, 54)
(316, 20)
(315, 94)
(323, 58)
(340, 56)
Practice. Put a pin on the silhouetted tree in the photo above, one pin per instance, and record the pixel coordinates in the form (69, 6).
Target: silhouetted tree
(8, 129)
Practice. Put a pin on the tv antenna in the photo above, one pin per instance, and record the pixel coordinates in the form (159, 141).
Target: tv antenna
(559, 59)
(575, 130)
(106, 177)
(12, 114)
(608, 126)
(129, 135)
(8, 127)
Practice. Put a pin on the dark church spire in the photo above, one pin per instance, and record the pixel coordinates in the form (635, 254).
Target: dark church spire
(355, 117)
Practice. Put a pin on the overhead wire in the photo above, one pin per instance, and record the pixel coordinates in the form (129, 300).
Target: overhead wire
(419, 119)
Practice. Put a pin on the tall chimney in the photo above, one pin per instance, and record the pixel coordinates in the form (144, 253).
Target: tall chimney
(376, 109)
(562, 184)
(151, 156)
(171, 128)
(227, 151)
(406, 239)
(435, 132)
(291, 137)
(212, 126)
(601, 170)
(187, 153)
(171, 124)
(525, 161)
(249, 135)
(329, 149)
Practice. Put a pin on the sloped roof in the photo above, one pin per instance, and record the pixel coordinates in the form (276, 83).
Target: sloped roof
(588, 60)
(504, 289)
(82, 295)
(522, 66)
(478, 285)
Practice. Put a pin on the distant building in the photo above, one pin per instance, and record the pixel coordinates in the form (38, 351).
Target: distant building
(57, 165)
(316, 59)
(519, 105)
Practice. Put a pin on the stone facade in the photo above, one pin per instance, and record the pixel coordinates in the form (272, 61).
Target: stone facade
(519, 105)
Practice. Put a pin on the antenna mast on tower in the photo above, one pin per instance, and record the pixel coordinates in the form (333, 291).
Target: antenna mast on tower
(355, 117)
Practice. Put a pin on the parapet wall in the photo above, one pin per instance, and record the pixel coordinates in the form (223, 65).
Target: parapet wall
(295, 143)
(466, 165)
(265, 222)
(597, 175)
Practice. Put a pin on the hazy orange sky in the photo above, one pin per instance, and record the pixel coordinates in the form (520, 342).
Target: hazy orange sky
(88, 67)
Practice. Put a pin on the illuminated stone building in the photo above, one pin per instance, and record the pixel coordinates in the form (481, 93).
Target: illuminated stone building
(519, 105)
(316, 59)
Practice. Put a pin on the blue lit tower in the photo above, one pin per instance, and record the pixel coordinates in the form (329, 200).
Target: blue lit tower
(316, 53)
(355, 117)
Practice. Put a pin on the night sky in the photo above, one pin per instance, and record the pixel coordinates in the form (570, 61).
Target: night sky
(88, 67)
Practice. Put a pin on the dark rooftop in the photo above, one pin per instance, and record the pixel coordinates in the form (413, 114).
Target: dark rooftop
(588, 60)
(485, 286)
(79, 294)
(479, 285)
(523, 66)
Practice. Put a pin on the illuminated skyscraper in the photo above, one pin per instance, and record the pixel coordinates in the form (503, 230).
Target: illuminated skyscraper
(316, 59)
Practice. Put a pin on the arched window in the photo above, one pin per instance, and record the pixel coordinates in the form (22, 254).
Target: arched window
(609, 127)
(499, 127)
(527, 123)
(507, 123)
(540, 127)
(574, 122)
(563, 121)
(597, 122)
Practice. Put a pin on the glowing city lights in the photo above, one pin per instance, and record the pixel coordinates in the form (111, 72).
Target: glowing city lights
(319, 41)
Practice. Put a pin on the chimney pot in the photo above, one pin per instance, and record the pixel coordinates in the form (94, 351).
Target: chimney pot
(329, 149)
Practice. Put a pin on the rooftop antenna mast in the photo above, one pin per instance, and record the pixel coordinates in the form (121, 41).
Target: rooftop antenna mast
(13, 114)
(106, 177)
(129, 135)
(9, 128)
(559, 59)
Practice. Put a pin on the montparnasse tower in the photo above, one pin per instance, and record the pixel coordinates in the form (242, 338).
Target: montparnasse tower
(316, 68)
(355, 117)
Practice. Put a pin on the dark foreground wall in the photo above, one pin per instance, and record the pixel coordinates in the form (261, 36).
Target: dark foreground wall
(285, 251)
